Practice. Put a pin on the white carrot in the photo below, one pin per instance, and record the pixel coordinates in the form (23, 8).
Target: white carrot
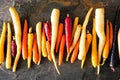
(54, 22)
(82, 47)
(39, 38)
(99, 17)
(18, 34)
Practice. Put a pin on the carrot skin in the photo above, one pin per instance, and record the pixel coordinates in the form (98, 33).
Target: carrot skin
(61, 51)
(60, 32)
(48, 48)
(35, 50)
(111, 35)
(24, 41)
(68, 33)
(47, 28)
(75, 52)
(14, 47)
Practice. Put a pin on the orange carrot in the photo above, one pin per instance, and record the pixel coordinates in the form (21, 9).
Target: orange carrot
(60, 32)
(35, 50)
(61, 51)
(106, 47)
(111, 35)
(48, 47)
(75, 52)
(2, 42)
(24, 41)
(44, 52)
(94, 53)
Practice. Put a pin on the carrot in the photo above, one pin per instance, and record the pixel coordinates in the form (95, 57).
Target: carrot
(47, 30)
(68, 34)
(35, 50)
(44, 51)
(111, 35)
(87, 45)
(82, 48)
(94, 53)
(75, 39)
(48, 48)
(54, 21)
(9, 42)
(18, 34)
(24, 41)
(60, 32)
(75, 52)
(119, 42)
(75, 26)
(30, 44)
(2, 42)
(61, 51)
(99, 17)
(106, 47)
(14, 47)
(39, 38)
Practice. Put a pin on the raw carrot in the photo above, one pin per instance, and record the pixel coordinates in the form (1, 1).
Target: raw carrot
(30, 44)
(18, 34)
(54, 21)
(119, 42)
(87, 45)
(106, 47)
(35, 50)
(24, 41)
(76, 20)
(60, 32)
(39, 38)
(61, 51)
(99, 17)
(14, 47)
(75, 39)
(44, 51)
(82, 48)
(68, 34)
(9, 42)
(111, 35)
(48, 48)
(94, 53)
(2, 42)
(75, 52)
(47, 27)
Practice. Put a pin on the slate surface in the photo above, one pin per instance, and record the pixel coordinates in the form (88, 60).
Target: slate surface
(40, 10)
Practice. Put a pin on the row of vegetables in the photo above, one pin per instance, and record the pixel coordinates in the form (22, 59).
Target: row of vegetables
(50, 38)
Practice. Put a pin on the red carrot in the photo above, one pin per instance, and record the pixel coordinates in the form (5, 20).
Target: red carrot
(47, 28)
(68, 33)
(111, 36)
(61, 51)
(60, 32)
(14, 47)
(24, 41)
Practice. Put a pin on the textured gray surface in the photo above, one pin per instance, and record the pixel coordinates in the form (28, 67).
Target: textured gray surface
(40, 10)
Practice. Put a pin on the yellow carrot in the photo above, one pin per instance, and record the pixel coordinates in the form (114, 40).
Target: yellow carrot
(54, 22)
(119, 42)
(99, 17)
(30, 44)
(44, 51)
(18, 34)
(87, 45)
(76, 20)
(94, 53)
(9, 42)
(2, 42)
(106, 47)
(82, 48)
(39, 38)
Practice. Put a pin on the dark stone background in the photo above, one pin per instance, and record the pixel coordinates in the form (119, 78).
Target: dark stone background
(40, 10)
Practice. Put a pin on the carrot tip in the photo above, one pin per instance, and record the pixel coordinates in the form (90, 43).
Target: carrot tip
(98, 69)
(103, 62)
